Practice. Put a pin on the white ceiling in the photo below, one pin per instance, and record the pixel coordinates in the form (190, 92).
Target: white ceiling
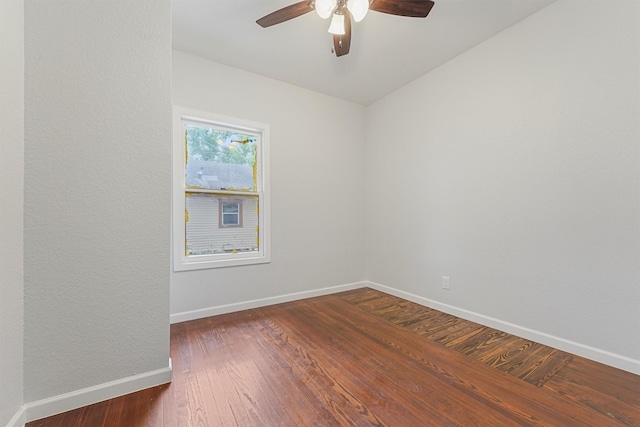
(386, 53)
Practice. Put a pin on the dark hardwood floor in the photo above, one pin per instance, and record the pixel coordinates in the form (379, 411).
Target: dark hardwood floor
(363, 358)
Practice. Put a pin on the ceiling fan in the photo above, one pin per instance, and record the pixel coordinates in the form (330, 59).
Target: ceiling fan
(342, 11)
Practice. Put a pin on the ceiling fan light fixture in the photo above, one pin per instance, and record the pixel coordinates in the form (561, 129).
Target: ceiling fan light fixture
(325, 7)
(341, 23)
(337, 24)
(358, 9)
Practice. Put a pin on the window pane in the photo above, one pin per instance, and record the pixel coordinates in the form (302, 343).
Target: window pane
(203, 226)
(230, 219)
(230, 208)
(220, 159)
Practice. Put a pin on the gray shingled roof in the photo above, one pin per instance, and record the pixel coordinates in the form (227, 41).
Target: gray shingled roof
(217, 176)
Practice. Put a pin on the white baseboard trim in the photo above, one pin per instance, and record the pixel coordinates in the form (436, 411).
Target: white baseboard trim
(595, 354)
(19, 419)
(263, 302)
(90, 395)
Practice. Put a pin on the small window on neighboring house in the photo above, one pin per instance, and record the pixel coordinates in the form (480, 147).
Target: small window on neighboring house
(221, 199)
(230, 213)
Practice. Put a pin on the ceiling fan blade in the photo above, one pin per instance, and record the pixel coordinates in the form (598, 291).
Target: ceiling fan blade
(342, 43)
(286, 13)
(412, 8)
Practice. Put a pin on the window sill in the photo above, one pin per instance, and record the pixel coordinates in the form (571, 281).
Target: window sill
(202, 262)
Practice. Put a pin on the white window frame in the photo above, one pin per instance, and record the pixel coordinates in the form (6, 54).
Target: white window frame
(184, 262)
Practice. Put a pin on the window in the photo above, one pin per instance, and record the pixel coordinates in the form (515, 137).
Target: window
(220, 197)
(230, 213)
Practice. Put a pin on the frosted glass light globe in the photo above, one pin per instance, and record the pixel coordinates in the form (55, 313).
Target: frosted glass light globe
(358, 9)
(325, 7)
(337, 24)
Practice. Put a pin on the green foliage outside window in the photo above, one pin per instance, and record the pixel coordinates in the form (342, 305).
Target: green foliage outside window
(220, 146)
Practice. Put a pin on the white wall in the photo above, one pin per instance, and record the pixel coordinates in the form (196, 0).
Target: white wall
(11, 206)
(514, 169)
(97, 192)
(317, 193)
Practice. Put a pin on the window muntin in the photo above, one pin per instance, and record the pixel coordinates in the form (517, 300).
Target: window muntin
(220, 200)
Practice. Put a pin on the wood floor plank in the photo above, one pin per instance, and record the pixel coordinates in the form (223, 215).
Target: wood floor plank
(623, 385)
(436, 325)
(461, 331)
(604, 389)
(602, 403)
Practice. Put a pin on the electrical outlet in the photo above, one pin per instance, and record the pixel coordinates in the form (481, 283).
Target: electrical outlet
(445, 282)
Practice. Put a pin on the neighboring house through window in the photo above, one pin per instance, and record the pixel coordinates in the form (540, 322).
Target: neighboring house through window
(221, 204)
